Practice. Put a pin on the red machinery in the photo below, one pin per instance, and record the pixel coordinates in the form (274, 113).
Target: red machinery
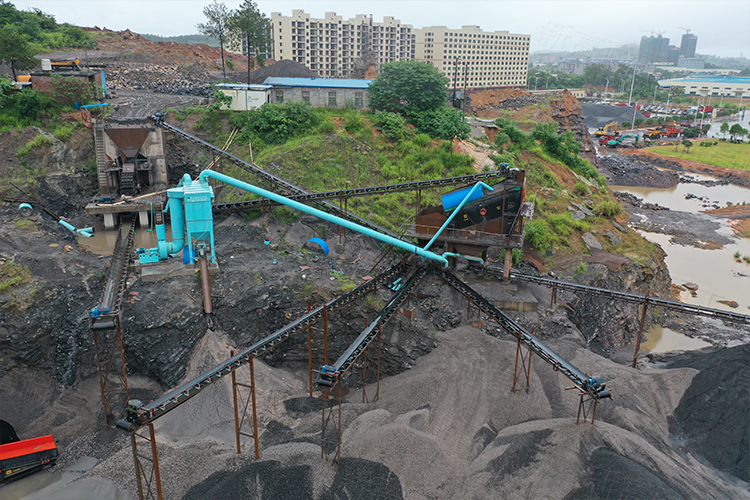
(18, 457)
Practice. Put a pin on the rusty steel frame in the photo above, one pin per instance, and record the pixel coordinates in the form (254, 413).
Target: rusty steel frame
(246, 400)
(147, 477)
(332, 419)
(640, 329)
(525, 367)
(586, 405)
(111, 364)
(365, 399)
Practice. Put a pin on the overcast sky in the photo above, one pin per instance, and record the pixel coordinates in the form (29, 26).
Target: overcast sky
(722, 27)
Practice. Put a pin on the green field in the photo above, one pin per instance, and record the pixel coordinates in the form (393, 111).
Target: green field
(723, 154)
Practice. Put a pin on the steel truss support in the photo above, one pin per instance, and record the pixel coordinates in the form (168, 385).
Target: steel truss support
(245, 400)
(473, 307)
(365, 399)
(525, 367)
(586, 407)
(113, 377)
(332, 422)
(640, 329)
(147, 466)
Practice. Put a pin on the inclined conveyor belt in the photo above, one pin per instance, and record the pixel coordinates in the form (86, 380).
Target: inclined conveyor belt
(372, 190)
(633, 298)
(110, 301)
(330, 372)
(268, 177)
(594, 386)
(137, 417)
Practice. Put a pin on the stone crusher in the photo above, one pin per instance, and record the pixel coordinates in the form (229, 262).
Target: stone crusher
(130, 159)
(21, 457)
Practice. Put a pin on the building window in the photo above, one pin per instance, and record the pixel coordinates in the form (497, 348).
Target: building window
(279, 97)
(332, 98)
(306, 96)
(359, 99)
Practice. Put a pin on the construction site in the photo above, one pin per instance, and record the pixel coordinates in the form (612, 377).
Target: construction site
(329, 357)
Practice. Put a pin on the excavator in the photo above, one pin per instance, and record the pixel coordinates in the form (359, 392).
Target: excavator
(609, 129)
(618, 142)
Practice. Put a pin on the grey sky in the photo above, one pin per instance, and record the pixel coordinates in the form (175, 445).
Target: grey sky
(722, 27)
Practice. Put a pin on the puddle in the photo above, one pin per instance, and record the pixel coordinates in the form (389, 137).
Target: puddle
(61, 484)
(103, 242)
(674, 197)
(660, 339)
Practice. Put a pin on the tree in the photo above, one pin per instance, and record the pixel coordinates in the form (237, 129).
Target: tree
(735, 130)
(724, 129)
(687, 144)
(404, 86)
(249, 23)
(15, 50)
(216, 27)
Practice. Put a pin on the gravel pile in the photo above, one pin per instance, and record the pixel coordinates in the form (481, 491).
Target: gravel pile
(598, 115)
(177, 80)
(631, 171)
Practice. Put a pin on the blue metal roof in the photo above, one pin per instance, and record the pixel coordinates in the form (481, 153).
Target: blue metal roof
(713, 79)
(242, 86)
(331, 83)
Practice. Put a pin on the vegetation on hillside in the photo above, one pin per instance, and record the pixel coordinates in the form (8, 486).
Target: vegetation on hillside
(40, 31)
(324, 149)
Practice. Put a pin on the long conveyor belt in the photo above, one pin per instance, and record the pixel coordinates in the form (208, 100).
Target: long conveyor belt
(372, 190)
(110, 301)
(137, 417)
(633, 298)
(594, 386)
(330, 372)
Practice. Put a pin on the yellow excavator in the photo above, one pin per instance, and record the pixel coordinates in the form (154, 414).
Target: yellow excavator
(608, 129)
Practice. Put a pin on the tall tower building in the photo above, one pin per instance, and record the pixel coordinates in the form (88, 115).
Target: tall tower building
(482, 58)
(687, 47)
(653, 49)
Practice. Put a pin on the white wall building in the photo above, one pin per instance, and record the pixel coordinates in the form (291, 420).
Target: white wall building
(335, 47)
(490, 58)
(715, 85)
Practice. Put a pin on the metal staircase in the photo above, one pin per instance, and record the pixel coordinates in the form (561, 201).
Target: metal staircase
(102, 163)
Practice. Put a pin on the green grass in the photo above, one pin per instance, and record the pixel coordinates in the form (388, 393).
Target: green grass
(37, 142)
(724, 154)
(12, 274)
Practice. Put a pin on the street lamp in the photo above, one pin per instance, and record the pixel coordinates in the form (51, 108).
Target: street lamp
(606, 87)
(655, 89)
(536, 79)
(632, 83)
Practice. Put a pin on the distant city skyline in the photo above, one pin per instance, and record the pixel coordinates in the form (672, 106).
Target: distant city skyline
(554, 25)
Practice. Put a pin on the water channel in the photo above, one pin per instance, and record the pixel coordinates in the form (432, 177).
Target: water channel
(718, 274)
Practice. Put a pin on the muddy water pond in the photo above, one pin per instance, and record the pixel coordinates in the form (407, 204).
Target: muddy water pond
(103, 242)
(720, 276)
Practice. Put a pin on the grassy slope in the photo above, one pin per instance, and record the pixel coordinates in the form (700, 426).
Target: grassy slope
(321, 162)
(723, 154)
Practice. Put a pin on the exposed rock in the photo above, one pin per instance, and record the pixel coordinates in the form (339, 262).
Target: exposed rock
(613, 237)
(591, 241)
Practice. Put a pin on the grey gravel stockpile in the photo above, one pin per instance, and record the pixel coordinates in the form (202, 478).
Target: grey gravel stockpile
(448, 428)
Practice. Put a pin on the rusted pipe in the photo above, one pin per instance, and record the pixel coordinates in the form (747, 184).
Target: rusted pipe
(206, 284)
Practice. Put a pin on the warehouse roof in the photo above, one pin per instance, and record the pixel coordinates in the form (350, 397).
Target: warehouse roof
(332, 83)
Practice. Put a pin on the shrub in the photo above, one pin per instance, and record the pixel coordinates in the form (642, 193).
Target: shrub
(37, 142)
(539, 236)
(608, 208)
(581, 189)
(326, 127)
(353, 122)
(391, 125)
(445, 123)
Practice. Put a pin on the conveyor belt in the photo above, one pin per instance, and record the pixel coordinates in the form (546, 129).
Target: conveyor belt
(330, 372)
(272, 179)
(110, 301)
(633, 298)
(137, 417)
(373, 190)
(594, 386)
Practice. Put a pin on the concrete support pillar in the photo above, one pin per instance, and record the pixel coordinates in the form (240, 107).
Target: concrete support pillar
(508, 263)
(143, 219)
(110, 221)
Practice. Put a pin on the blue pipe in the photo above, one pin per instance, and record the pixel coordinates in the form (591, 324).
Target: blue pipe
(467, 257)
(67, 226)
(479, 184)
(323, 215)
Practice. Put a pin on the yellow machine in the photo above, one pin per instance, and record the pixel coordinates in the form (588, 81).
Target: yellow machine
(608, 129)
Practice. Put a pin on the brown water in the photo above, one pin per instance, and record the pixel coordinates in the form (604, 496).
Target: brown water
(719, 276)
(660, 339)
(103, 242)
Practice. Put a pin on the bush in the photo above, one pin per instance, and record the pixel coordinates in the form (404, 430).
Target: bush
(37, 142)
(608, 208)
(445, 123)
(353, 122)
(391, 125)
(326, 127)
(539, 236)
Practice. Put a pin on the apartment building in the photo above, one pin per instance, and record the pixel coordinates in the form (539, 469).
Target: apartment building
(335, 47)
(482, 58)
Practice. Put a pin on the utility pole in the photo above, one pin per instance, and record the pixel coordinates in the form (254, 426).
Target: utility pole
(466, 79)
(632, 83)
(606, 88)
(455, 79)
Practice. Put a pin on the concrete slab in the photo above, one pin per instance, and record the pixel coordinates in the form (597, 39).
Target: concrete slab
(173, 267)
(512, 296)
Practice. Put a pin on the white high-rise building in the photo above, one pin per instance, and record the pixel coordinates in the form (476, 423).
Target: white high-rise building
(483, 58)
(335, 47)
